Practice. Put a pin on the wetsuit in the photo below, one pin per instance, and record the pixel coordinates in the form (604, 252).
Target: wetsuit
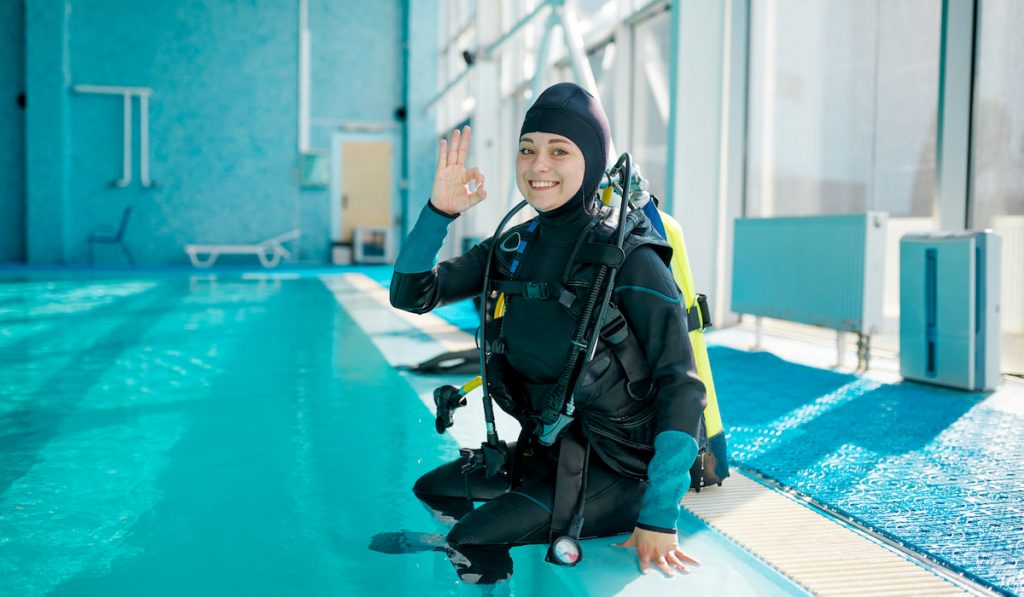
(632, 439)
(536, 334)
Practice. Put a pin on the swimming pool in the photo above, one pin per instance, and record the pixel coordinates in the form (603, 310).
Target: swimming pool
(228, 434)
(224, 436)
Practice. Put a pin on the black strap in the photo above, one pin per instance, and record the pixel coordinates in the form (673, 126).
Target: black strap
(617, 335)
(530, 290)
(600, 254)
(569, 484)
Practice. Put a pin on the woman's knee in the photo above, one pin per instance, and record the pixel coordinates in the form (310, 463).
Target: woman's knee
(475, 531)
(510, 520)
(435, 484)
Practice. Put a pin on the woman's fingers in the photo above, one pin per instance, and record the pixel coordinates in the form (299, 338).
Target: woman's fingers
(663, 564)
(453, 148)
(478, 195)
(475, 180)
(463, 148)
(674, 561)
(645, 563)
(475, 175)
(442, 154)
(682, 556)
(455, 188)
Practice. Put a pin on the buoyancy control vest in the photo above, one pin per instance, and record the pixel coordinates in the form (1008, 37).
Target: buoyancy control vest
(614, 399)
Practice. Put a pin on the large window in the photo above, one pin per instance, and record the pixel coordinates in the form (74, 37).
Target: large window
(997, 155)
(843, 99)
(596, 15)
(649, 122)
(602, 62)
(843, 106)
(456, 33)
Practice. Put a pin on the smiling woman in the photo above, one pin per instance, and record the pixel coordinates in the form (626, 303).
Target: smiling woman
(619, 461)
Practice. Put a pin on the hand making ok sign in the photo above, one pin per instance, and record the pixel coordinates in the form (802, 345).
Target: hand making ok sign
(452, 193)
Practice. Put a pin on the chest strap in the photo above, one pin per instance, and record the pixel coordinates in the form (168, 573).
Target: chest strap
(530, 290)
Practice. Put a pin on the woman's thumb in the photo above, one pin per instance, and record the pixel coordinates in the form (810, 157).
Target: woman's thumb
(476, 175)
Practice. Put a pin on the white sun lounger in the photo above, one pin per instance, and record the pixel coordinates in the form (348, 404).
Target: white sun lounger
(269, 251)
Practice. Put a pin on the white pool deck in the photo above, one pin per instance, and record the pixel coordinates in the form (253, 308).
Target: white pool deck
(752, 539)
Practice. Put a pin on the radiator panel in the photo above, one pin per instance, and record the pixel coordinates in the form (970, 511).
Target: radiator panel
(820, 270)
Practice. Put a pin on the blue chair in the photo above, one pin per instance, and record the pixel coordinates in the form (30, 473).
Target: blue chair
(117, 238)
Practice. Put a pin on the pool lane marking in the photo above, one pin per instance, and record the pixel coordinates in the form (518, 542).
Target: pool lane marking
(447, 335)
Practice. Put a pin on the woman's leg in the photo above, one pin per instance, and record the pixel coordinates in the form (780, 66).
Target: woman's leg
(450, 492)
(479, 542)
(523, 516)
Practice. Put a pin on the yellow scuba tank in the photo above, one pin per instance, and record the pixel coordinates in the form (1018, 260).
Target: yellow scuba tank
(712, 465)
(711, 472)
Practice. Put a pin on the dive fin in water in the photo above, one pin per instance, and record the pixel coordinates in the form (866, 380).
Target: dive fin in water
(407, 542)
(473, 564)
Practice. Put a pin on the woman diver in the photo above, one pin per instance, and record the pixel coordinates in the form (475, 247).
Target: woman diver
(621, 464)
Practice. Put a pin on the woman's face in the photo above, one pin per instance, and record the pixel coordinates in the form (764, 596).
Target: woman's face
(549, 170)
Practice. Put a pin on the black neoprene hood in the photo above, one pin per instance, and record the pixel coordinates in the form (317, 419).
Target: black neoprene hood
(568, 110)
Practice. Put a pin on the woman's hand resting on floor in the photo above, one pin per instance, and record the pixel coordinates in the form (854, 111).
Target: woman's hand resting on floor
(660, 548)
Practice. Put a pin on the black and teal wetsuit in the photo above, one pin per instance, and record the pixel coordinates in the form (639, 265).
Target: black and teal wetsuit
(642, 449)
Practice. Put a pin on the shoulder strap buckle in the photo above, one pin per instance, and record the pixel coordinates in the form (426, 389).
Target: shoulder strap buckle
(698, 317)
(536, 290)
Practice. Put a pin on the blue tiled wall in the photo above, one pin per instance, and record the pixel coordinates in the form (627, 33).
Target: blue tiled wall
(223, 118)
(12, 131)
(46, 124)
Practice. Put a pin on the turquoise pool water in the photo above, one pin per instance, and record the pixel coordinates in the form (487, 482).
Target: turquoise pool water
(176, 437)
(239, 435)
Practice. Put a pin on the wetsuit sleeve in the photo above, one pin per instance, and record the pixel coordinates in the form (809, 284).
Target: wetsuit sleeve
(652, 304)
(418, 285)
(424, 241)
(668, 479)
